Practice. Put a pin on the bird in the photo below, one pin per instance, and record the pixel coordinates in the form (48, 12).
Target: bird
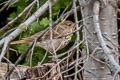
(60, 38)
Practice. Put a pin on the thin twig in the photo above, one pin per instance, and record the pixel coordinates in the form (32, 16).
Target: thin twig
(11, 23)
(32, 50)
(37, 38)
(51, 38)
(23, 26)
(44, 57)
(19, 59)
(78, 38)
(13, 66)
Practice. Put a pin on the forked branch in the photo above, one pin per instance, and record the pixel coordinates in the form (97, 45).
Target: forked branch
(109, 59)
(23, 26)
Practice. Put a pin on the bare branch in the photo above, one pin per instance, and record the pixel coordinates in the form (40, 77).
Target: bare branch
(11, 23)
(25, 25)
(40, 35)
(51, 39)
(112, 64)
(78, 38)
(19, 59)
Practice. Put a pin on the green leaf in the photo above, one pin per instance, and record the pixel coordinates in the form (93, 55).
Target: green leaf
(44, 22)
(38, 26)
(21, 48)
(38, 55)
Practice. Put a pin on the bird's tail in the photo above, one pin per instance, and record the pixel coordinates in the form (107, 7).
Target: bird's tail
(20, 41)
(26, 40)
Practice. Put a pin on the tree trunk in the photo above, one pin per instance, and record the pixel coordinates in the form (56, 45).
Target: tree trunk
(94, 69)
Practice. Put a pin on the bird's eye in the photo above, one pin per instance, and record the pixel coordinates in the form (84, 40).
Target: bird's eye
(69, 24)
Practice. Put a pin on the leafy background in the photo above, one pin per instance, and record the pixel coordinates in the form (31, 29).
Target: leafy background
(36, 26)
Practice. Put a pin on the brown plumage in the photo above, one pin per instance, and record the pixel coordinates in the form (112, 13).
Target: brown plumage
(59, 38)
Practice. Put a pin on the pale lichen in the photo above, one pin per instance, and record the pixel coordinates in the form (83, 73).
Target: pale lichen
(22, 27)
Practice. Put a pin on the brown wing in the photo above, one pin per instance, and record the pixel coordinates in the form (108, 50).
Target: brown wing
(60, 30)
(31, 38)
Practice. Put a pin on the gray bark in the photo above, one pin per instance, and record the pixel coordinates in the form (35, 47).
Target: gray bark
(95, 70)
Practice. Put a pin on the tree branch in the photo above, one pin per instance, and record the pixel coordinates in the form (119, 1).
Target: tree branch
(112, 64)
(24, 25)
(37, 38)
(11, 23)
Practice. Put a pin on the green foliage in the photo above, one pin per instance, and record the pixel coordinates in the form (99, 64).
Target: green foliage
(21, 48)
(38, 55)
(37, 26)
(20, 7)
(82, 46)
(119, 51)
(59, 7)
(2, 1)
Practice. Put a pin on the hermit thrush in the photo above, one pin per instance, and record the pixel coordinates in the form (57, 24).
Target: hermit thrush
(59, 38)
